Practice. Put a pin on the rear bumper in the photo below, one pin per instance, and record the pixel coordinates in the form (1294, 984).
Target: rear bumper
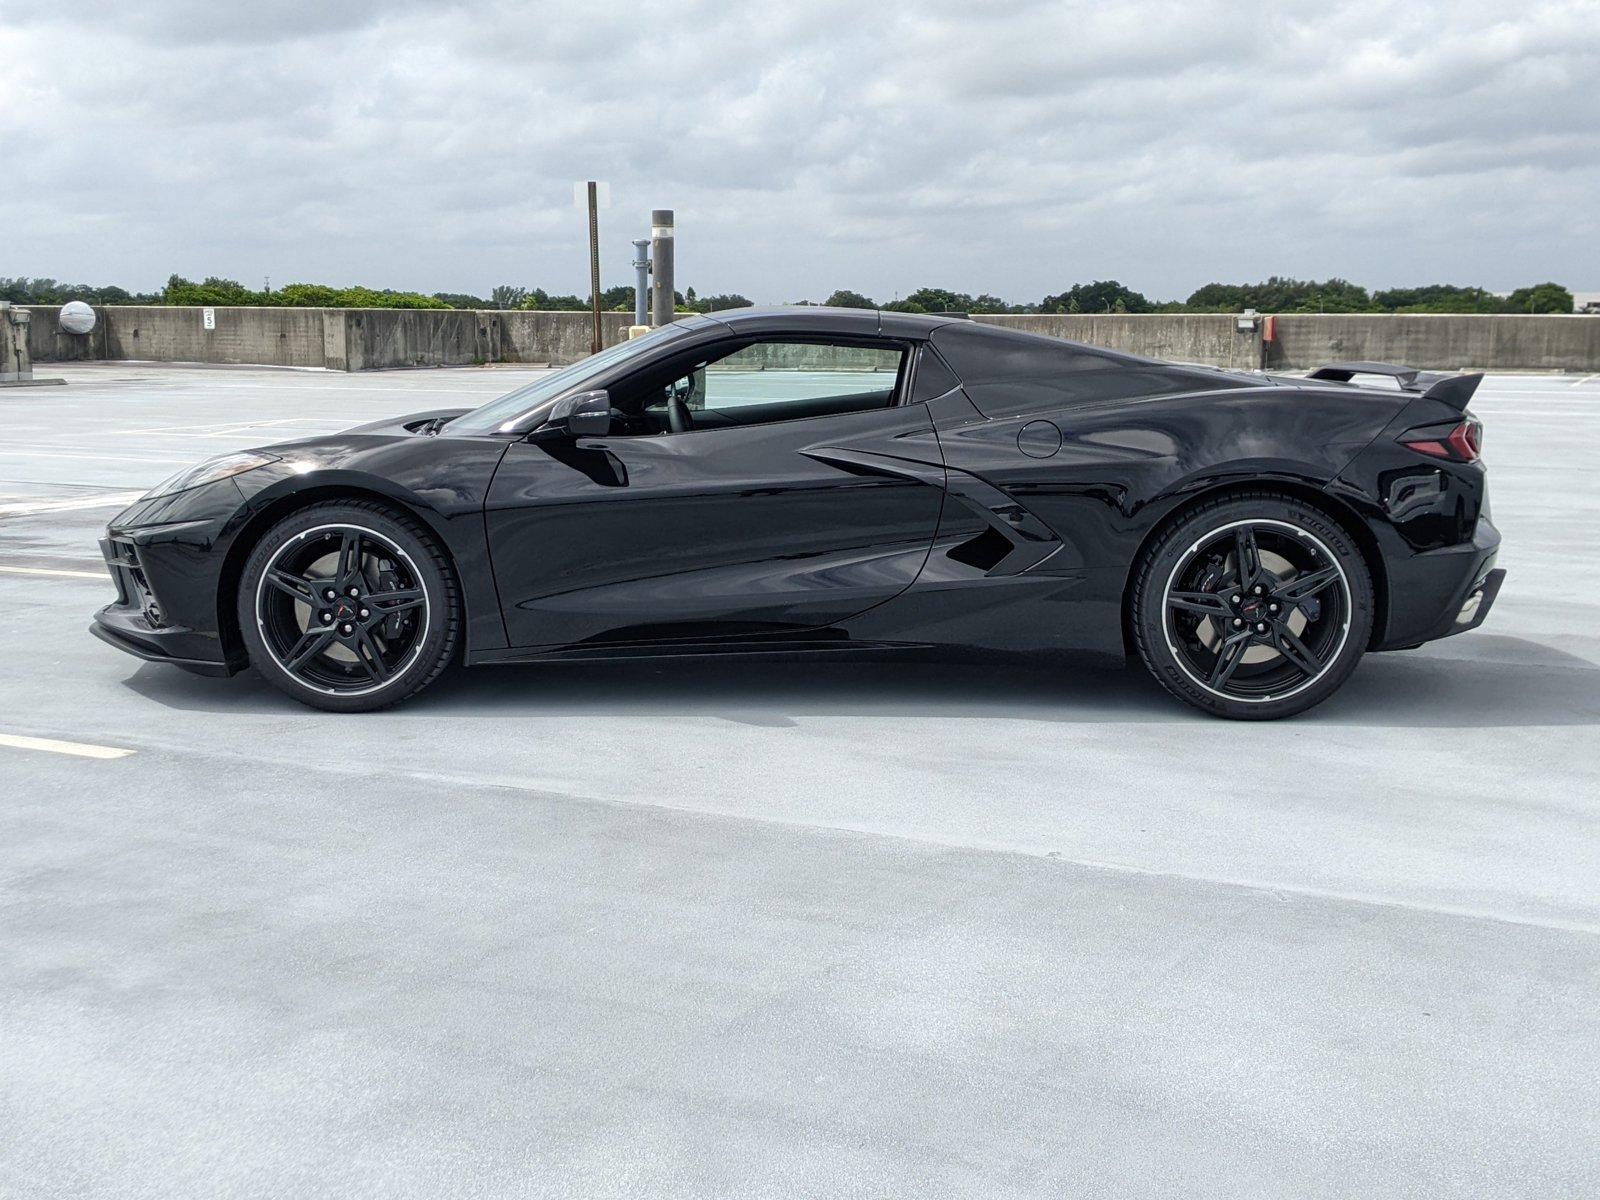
(1441, 593)
(1478, 602)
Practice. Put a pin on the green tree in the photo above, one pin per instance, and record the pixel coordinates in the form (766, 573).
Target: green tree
(321, 295)
(543, 301)
(1220, 297)
(844, 298)
(937, 300)
(22, 290)
(1437, 298)
(1101, 296)
(212, 290)
(307, 295)
(986, 303)
(1540, 298)
(1282, 294)
(722, 301)
(508, 296)
(1336, 295)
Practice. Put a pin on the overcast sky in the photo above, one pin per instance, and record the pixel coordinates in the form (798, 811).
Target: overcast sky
(985, 145)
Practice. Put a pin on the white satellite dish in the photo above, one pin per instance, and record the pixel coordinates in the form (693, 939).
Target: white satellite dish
(76, 317)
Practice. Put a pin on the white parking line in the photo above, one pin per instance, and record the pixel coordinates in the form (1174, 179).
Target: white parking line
(52, 746)
(103, 576)
(114, 500)
(225, 428)
(29, 452)
(425, 389)
(1584, 380)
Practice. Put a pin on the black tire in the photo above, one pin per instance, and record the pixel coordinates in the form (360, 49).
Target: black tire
(1269, 638)
(387, 630)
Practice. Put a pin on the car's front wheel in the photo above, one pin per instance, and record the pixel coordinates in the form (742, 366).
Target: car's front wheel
(348, 606)
(1252, 606)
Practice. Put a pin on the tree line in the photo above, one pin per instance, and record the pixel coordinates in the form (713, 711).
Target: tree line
(1275, 295)
(223, 293)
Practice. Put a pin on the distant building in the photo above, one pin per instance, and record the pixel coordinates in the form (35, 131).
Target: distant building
(1586, 302)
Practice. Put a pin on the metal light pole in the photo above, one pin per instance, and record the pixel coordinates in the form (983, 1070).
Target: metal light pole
(641, 281)
(596, 340)
(662, 296)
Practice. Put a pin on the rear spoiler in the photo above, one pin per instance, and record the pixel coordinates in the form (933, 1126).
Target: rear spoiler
(1454, 390)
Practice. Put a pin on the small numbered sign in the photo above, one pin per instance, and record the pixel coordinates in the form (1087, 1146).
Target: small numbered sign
(208, 317)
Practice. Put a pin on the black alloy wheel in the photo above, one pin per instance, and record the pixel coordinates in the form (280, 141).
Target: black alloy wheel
(349, 607)
(1253, 608)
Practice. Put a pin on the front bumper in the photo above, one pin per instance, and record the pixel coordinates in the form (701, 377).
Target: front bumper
(123, 631)
(141, 623)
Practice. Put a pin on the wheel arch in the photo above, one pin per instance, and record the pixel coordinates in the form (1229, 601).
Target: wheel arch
(269, 514)
(1337, 509)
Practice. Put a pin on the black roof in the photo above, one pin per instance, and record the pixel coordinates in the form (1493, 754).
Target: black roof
(958, 328)
(816, 318)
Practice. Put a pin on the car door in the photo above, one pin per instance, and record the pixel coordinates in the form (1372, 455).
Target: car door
(767, 514)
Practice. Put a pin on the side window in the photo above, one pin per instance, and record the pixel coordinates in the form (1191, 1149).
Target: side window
(785, 380)
(932, 378)
(757, 383)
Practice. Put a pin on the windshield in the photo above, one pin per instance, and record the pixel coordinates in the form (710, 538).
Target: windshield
(542, 392)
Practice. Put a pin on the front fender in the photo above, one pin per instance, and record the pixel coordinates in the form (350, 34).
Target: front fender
(442, 483)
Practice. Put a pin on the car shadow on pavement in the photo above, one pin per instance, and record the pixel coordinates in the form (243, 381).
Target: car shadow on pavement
(1477, 681)
(1499, 681)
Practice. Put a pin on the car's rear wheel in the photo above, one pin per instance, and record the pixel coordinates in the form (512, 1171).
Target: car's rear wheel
(1252, 606)
(348, 606)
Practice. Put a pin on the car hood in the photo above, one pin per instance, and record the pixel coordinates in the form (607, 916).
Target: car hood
(358, 441)
(434, 476)
(411, 423)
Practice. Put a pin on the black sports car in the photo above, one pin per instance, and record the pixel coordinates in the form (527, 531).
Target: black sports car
(807, 479)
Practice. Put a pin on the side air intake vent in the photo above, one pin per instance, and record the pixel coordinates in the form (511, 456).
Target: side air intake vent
(983, 552)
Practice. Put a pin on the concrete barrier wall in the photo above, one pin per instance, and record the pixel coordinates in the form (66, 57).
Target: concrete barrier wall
(289, 337)
(1209, 338)
(369, 338)
(343, 339)
(1447, 342)
(292, 337)
(376, 338)
(556, 338)
(46, 342)
(806, 356)
(1443, 341)
(16, 356)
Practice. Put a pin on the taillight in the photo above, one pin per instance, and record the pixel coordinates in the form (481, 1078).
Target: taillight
(1461, 443)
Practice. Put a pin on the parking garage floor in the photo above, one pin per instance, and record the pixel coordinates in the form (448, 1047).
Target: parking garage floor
(778, 929)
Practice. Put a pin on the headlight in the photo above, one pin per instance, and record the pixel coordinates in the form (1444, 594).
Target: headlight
(224, 467)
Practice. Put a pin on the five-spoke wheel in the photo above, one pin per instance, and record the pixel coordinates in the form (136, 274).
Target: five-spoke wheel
(342, 607)
(1253, 607)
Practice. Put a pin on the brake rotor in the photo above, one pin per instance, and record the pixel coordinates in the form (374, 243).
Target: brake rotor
(324, 566)
(1210, 631)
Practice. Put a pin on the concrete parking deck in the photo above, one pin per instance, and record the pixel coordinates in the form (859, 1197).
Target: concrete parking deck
(784, 929)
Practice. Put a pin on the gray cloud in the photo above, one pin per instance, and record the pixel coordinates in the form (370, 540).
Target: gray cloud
(1010, 147)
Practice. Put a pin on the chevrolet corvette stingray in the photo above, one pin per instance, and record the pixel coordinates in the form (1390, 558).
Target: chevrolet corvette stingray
(783, 481)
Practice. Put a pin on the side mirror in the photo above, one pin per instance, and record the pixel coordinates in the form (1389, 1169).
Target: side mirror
(585, 414)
